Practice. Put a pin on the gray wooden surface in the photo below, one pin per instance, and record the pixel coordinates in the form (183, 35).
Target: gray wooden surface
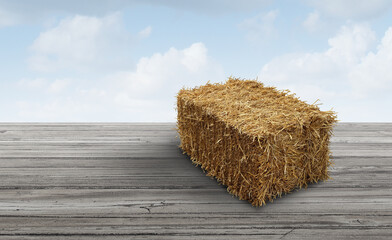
(130, 181)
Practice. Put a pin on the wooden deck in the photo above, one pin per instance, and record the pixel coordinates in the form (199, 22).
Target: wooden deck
(130, 181)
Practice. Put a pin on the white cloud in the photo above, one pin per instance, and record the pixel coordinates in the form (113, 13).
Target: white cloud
(347, 73)
(144, 94)
(145, 32)
(260, 27)
(352, 43)
(162, 75)
(80, 43)
(32, 83)
(374, 73)
(59, 85)
(27, 11)
(352, 9)
(7, 18)
(45, 85)
(215, 7)
(312, 22)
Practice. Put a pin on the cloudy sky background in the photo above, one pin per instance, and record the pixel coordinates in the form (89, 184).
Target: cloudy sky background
(114, 60)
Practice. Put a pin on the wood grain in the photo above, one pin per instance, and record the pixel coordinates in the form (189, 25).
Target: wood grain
(130, 180)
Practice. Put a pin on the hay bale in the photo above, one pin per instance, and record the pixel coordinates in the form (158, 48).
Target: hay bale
(258, 141)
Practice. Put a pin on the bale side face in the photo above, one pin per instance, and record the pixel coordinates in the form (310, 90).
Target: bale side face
(254, 167)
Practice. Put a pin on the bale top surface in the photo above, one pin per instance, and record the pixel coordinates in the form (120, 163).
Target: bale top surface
(252, 108)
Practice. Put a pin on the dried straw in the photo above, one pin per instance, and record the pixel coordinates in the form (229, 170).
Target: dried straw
(258, 141)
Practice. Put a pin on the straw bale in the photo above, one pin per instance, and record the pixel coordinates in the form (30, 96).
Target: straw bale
(258, 141)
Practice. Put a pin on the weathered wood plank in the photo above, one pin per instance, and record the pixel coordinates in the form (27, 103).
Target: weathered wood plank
(176, 164)
(99, 202)
(138, 144)
(162, 172)
(359, 233)
(195, 225)
(88, 178)
(177, 236)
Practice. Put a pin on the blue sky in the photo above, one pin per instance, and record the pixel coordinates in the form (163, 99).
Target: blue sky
(125, 60)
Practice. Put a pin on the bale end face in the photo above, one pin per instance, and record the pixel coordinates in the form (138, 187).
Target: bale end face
(258, 141)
